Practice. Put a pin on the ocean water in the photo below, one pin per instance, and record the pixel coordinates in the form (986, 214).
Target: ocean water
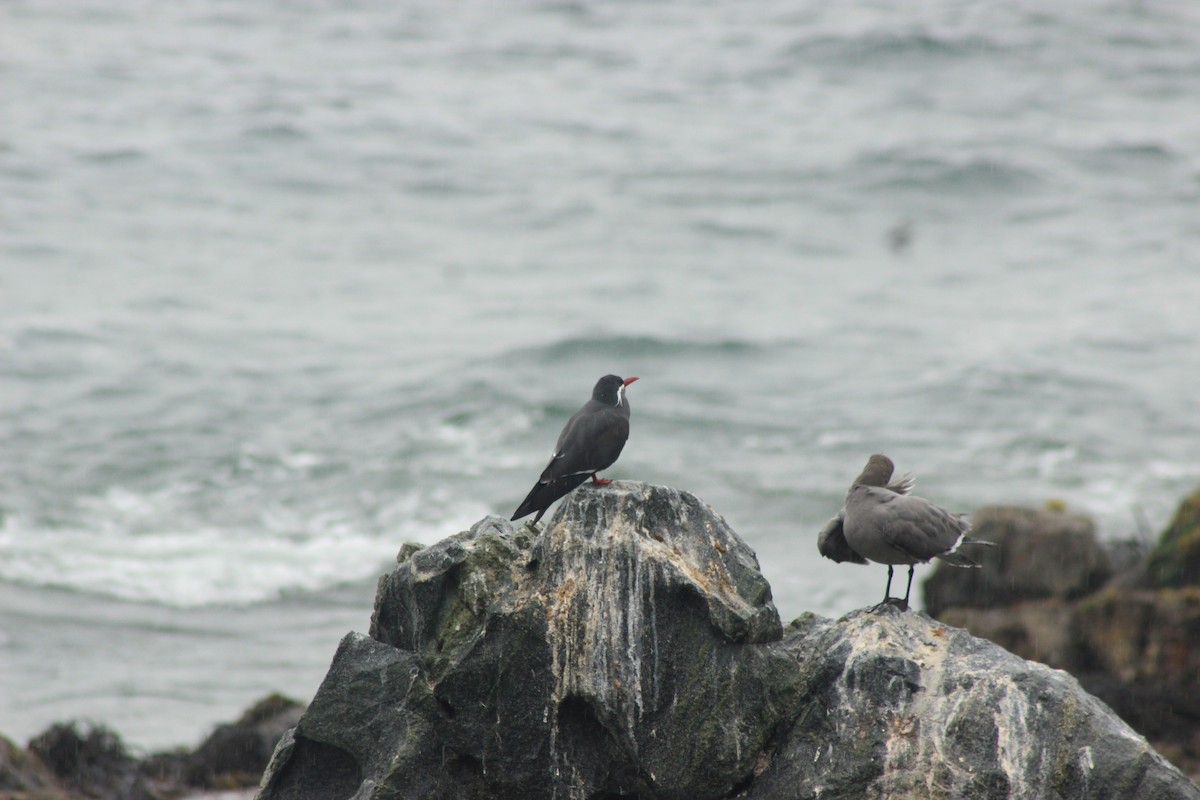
(285, 285)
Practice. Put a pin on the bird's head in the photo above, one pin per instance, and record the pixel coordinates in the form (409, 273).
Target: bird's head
(610, 390)
(877, 472)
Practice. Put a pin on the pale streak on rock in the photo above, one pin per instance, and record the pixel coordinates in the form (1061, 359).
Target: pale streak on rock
(606, 564)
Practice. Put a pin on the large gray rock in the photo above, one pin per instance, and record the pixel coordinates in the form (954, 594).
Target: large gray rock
(632, 650)
(899, 705)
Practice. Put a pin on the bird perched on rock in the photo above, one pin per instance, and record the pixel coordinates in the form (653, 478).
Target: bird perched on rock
(881, 522)
(590, 442)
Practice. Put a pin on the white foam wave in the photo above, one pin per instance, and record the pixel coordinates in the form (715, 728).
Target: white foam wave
(221, 566)
(835, 438)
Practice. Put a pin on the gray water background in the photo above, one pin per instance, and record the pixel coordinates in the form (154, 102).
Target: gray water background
(284, 285)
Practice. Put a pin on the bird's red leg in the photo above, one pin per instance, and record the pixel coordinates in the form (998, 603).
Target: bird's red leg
(600, 481)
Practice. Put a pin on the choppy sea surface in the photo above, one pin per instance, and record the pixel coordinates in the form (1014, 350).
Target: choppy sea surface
(284, 285)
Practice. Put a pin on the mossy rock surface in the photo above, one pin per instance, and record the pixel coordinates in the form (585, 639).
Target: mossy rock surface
(1175, 560)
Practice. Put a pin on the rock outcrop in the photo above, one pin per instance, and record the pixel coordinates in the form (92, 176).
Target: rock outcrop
(632, 650)
(899, 705)
(236, 754)
(24, 774)
(77, 760)
(1175, 559)
(1041, 554)
(91, 760)
(1133, 641)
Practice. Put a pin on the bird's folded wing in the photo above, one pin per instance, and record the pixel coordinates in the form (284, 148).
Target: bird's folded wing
(589, 443)
(920, 529)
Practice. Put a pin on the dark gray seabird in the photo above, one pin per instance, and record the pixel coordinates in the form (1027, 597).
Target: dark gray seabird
(590, 442)
(881, 522)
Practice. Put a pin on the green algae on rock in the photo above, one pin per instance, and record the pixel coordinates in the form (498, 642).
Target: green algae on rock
(1175, 560)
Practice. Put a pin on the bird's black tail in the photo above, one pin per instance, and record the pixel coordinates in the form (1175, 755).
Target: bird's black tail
(543, 495)
(957, 559)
